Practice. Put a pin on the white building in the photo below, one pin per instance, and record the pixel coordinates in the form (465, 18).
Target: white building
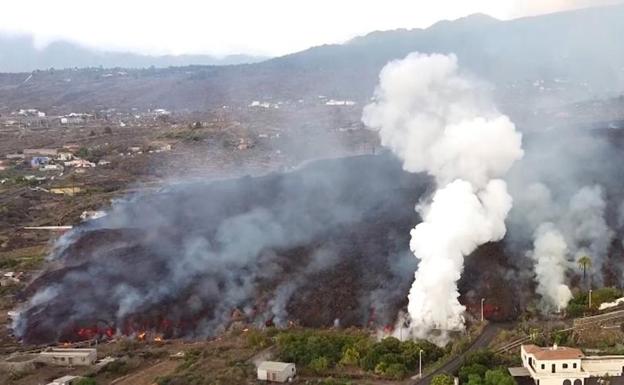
(276, 371)
(68, 356)
(64, 156)
(558, 365)
(79, 163)
(66, 380)
(51, 167)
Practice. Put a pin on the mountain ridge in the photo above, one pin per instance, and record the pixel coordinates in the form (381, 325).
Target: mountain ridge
(21, 55)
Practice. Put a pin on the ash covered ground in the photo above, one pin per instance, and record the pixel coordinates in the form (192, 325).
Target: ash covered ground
(328, 241)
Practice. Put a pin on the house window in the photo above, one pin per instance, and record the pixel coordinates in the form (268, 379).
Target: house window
(565, 366)
(543, 366)
(574, 365)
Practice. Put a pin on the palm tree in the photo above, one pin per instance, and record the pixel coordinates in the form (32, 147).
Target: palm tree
(584, 263)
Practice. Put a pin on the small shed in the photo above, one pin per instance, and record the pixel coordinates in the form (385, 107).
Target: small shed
(276, 371)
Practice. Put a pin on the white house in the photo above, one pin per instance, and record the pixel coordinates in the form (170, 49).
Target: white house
(68, 356)
(64, 156)
(276, 371)
(559, 365)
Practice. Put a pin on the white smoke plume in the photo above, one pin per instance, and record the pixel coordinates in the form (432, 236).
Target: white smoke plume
(439, 122)
(563, 233)
(549, 255)
(587, 228)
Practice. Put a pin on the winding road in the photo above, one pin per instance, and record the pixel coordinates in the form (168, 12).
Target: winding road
(482, 341)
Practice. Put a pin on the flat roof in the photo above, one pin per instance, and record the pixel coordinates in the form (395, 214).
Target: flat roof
(71, 352)
(274, 365)
(520, 371)
(554, 352)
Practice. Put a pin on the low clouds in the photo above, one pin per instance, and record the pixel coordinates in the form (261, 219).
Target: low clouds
(271, 27)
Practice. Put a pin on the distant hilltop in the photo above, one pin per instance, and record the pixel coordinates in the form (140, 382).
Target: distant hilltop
(19, 54)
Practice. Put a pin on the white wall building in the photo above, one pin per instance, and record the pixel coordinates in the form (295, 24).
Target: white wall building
(68, 356)
(276, 371)
(558, 365)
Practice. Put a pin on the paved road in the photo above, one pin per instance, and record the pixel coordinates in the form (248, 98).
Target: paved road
(484, 339)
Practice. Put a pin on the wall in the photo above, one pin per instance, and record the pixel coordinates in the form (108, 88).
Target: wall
(599, 366)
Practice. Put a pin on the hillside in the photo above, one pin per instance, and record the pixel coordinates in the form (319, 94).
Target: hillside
(19, 54)
(542, 61)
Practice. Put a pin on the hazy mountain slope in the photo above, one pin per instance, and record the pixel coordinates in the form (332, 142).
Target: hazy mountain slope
(20, 55)
(577, 54)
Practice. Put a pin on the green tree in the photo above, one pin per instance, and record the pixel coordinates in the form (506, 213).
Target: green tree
(474, 379)
(442, 379)
(585, 264)
(498, 377)
(484, 357)
(396, 371)
(474, 369)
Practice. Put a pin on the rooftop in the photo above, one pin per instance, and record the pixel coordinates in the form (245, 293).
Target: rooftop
(273, 365)
(519, 372)
(553, 352)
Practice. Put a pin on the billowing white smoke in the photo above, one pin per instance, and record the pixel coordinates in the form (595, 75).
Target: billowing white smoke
(587, 227)
(437, 122)
(564, 233)
(549, 254)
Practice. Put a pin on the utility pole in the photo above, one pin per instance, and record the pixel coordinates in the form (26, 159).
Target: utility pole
(420, 364)
(482, 315)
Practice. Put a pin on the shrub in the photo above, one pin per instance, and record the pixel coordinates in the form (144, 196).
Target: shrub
(483, 357)
(498, 377)
(442, 379)
(467, 371)
(350, 356)
(257, 339)
(86, 381)
(319, 364)
(395, 371)
(116, 367)
(474, 379)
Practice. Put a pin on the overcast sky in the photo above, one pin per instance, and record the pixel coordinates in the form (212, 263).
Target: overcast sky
(266, 27)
